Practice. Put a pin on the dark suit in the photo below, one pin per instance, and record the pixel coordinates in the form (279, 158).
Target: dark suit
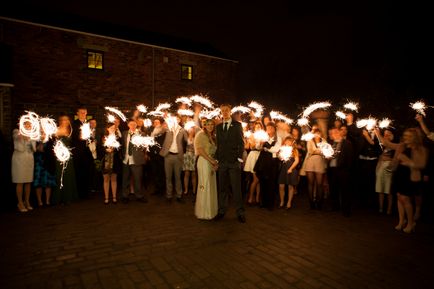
(230, 147)
(135, 170)
(339, 177)
(83, 160)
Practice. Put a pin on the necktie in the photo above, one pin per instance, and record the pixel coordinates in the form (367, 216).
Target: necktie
(225, 127)
(130, 147)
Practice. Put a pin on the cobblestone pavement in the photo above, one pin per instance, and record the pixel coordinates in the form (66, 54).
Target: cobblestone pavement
(160, 245)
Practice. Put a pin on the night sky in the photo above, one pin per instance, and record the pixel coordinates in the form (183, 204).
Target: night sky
(292, 53)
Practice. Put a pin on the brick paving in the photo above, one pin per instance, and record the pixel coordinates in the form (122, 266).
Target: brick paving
(159, 245)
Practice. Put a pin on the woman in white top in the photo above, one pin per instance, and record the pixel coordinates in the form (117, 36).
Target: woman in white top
(22, 167)
(252, 157)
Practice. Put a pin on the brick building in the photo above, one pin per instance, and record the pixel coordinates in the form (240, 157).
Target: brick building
(52, 69)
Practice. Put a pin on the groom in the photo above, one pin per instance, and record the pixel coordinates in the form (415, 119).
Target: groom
(230, 146)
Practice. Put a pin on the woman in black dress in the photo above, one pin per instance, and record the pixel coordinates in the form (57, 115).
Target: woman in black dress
(288, 175)
(111, 166)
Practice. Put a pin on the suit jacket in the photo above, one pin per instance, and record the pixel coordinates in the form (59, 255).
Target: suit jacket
(138, 153)
(345, 157)
(230, 144)
(181, 139)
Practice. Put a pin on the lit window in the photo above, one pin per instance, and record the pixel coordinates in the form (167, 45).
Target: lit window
(95, 60)
(186, 72)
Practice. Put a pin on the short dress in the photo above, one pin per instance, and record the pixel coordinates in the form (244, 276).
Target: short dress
(252, 157)
(284, 177)
(22, 159)
(314, 163)
(402, 180)
(45, 170)
(189, 157)
(112, 163)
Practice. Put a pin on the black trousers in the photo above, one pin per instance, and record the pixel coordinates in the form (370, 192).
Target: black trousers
(229, 178)
(157, 174)
(268, 182)
(340, 191)
(82, 165)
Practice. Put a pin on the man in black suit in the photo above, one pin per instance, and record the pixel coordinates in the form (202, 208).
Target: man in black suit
(83, 159)
(133, 159)
(230, 147)
(339, 172)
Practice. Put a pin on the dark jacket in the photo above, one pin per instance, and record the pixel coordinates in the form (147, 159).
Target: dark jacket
(138, 153)
(230, 144)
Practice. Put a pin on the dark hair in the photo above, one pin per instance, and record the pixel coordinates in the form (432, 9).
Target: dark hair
(226, 105)
(81, 107)
(271, 123)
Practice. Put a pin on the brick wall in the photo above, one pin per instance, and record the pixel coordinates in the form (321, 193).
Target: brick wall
(50, 74)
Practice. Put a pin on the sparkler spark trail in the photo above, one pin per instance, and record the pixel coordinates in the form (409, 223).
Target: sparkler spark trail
(189, 124)
(142, 108)
(143, 141)
(261, 136)
(147, 122)
(202, 100)
(240, 108)
(259, 109)
(172, 122)
(340, 115)
(63, 154)
(419, 107)
(86, 132)
(285, 152)
(279, 116)
(111, 141)
(247, 134)
(326, 149)
(302, 122)
(243, 124)
(210, 114)
(307, 136)
(311, 108)
(117, 112)
(185, 112)
(34, 130)
(384, 123)
(49, 127)
(184, 100)
(352, 106)
(159, 109)
(368, 123)
(111, 118)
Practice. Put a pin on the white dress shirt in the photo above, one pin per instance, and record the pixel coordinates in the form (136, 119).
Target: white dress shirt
(128, 160)
(174, 146)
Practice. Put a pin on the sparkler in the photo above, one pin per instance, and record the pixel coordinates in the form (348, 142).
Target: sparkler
(352, 106)
(285, 152)
(143, 141)
(159, 109)
(279, 116)
(86, 132)
(326, 149)
(117, 112)
(311, 108)
(111, 141)
(307, 136)
(63, 154)
(261, 136)
(210, 114)
(142, 108)
(240, 108)
(185, 112)
(147, 122)
(202, 100)
(341, 115)
(111, 118)
(384, 123)
(189, 124)
(184, 100)
(302, 121)
(34, 130)
(247, 134)
(419, 107)
(243, 124)
(172, 122)
(368, 123)
(259, 109)
(49, 127)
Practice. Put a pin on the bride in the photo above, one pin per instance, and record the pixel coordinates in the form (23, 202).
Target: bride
(206, 200)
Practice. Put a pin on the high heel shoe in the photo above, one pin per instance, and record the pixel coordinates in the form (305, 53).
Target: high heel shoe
(21, 208)
(106, 201)
(398, 227)
(410, 229)
(28, 207)
(114, 201)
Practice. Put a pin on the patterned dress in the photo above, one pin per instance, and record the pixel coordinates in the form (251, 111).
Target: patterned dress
(45, 172)
(189, 157)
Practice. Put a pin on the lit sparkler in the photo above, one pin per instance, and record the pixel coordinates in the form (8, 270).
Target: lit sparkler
(384, 123)
(172, 122)
(189, 125)
(261, 136)
(285, 152)
(259, 109)
(275, 115)
(147, 122)
(247, 134)
(307, 136)
(315, 106)
(49, 127)
(33, 130)
(184, 100)
(159, 109)
(341, 115)
(326, 149)
(368, 123)
(143, 141)
(241, 109)
(111, 118)
(419, 107)
(185, 112)
(202, 100)
(352, 106)
(142, 108)
(63, 154)
(243, 124)
(210, 114)
(86, 132)
(117, 112)
(111, 141)
(302, 121)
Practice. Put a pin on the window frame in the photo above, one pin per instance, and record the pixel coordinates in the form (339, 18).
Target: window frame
(102, 59)
(182, 72)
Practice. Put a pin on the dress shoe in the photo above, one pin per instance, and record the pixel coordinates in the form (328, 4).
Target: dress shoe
(21, 208)
(241, 219)
(409, 229)
(219, 217)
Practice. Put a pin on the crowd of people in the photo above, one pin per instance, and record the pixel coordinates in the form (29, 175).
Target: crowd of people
(219, 159)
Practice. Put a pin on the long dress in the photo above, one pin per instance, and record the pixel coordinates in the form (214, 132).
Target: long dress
(68, 192)
(22, 159)
(206, 200)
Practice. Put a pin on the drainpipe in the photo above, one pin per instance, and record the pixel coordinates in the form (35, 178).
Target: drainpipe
(153, 77)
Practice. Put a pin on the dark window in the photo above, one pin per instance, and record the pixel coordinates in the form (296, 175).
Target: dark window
(95, 59)
(186, 72)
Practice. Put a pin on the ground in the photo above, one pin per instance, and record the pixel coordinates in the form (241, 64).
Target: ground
(158, 245)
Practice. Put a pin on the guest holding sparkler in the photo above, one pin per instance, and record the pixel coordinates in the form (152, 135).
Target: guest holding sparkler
(429, 134)
(66, 190)
(45, 171)
(206, 206)
(82, 155)
(288, 175)
(189, 165)
(157, 161)
(267, 165)
(255, 148)
(133, 161)
(315, 167)
(22, 167)
(111, 166)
